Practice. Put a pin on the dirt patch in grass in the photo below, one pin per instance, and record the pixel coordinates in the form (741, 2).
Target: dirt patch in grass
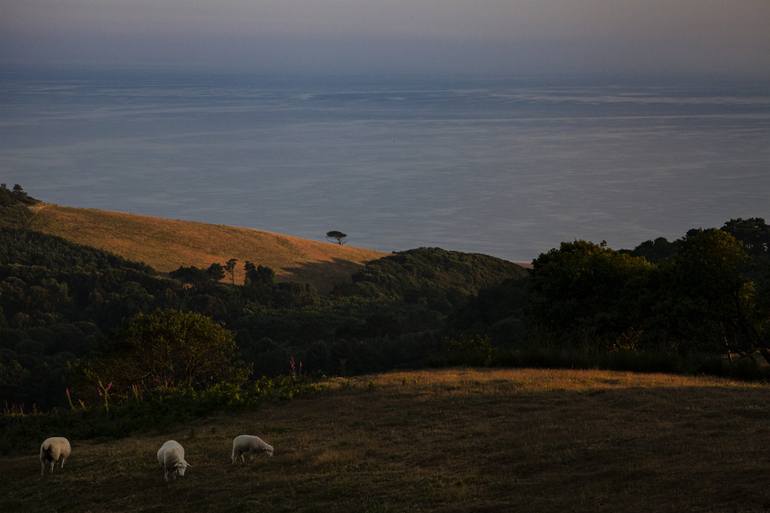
(449, 441)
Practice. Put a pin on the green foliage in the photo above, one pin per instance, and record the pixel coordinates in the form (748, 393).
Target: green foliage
(59, 303)
(15, 196)
(708, 303)
(172, 349)
(259, 283)
(14, 207)
(63, 309)
(258, 275)
(707, 297)
(63, 306)
(260, 288)
(230, 266)
(656, 250)
(216, 272)
(499, 312)
(435, 277)
(752, 233)
(205, 278)
(589, 292)
(336, 235)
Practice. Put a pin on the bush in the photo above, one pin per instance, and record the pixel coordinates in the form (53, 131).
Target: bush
(169, 349)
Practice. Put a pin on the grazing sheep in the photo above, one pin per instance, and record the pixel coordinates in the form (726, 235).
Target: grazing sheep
(54, 449)
(171, 459)
(248, 444)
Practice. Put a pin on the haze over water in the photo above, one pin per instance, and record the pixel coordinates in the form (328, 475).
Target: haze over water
(505, 167)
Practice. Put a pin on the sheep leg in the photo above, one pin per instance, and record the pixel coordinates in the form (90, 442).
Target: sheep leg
(165, 474)
(62, 462)
(52, 465)
(42, 468)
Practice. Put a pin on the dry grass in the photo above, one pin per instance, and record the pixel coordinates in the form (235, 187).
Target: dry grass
(167, 244)
(449, 441)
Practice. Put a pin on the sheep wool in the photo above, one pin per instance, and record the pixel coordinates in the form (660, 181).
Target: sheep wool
(54, 449)
(251, 445)
(171, 459)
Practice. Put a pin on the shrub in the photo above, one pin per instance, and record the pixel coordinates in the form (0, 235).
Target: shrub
(169, 349)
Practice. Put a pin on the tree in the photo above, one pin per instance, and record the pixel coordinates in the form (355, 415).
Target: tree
(336, 235)
(248, 267)
(712, 303)
(258, 276)
(753, 233)
(192, 275)
(14, 211)
(216, 272)
(170, 348)
(656, 250)
(230, 267)
(258, 283)
(20, 195)
(583, 292)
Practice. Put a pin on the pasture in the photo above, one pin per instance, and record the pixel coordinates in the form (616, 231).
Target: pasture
(447, 440)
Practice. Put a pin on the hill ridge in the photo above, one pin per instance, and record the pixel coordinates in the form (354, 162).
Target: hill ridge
(166, 244)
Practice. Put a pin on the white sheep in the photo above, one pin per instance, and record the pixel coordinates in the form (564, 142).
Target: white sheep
(249, 444)
(171, 459)
(54, 449)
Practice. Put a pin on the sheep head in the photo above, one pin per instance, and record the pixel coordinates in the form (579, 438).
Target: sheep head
(181, 467)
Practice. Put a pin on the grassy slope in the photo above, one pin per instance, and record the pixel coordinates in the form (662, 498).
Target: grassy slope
(167, 244)
(451, 441)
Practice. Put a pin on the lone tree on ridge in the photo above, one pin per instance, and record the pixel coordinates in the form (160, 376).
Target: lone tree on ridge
(337, 235)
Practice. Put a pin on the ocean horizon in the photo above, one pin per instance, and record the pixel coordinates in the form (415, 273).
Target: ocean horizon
(508, 167)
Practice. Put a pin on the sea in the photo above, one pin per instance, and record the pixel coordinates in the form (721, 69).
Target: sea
(507, 166)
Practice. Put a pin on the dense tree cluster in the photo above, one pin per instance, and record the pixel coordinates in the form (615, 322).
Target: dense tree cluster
(64, 306)
(442, 279)
(707, 293)
(58, 302)
(70, 313)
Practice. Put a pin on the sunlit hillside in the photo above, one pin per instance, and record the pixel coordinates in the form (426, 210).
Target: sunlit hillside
(167, 244)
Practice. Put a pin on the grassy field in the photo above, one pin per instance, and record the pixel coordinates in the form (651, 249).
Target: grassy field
(450, 441)
(167, 244)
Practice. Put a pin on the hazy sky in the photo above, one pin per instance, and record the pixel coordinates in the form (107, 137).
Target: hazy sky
(506, 36)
